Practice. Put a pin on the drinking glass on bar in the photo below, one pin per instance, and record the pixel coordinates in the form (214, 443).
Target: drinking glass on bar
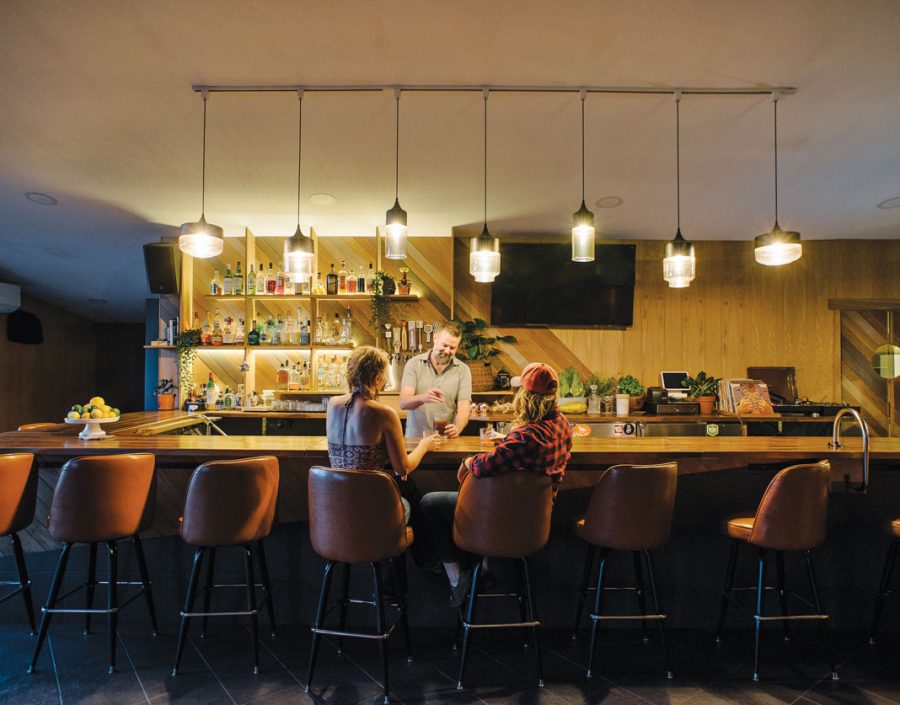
(440, 425)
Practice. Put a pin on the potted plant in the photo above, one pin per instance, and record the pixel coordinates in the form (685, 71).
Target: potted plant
(382, 287)
(634, 389)
(165, 394)
(476, 349)
(703, 390)
(604, 388)
(186, 343)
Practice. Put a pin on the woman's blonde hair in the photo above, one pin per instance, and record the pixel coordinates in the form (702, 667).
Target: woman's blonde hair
(531, 407)
(363, 368)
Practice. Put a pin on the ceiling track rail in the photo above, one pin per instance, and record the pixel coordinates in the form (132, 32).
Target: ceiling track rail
(781, 91)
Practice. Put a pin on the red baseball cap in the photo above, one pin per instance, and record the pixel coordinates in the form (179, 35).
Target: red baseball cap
(539, 378)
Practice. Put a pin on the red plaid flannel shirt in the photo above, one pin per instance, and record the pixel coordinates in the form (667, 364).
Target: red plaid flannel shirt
(542, 448)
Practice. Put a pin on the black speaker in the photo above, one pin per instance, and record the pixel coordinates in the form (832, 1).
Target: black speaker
(163, 263)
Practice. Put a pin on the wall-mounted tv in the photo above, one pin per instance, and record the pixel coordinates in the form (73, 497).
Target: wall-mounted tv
(540, 285)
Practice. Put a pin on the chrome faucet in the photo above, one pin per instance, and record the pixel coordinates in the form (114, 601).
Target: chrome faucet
(864, 429)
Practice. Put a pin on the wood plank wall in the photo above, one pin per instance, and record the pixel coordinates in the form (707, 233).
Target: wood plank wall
(735, 314)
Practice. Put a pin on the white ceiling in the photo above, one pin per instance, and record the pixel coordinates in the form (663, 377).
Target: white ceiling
(98, 112)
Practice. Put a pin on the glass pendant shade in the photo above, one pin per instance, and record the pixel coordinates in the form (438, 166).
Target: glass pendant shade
(299, 252)
(484, 257)
(679, 262)
(201, 239)
(778, 247)
(395, 232)
(583, 235)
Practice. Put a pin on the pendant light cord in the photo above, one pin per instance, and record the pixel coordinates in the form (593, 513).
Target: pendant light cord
(299, 147)
(487, 92)
(397, 148)
(583, 96)
(775, 110)
(205, 95)
(678, 158)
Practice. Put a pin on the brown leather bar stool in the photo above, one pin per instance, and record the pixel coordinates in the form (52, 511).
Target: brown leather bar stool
(630, 510)
(229, 503)
(507, 516)
(18, 496)
(791, 517)
(101, 499)
(355, 516)
(37, 426)
(884, 588)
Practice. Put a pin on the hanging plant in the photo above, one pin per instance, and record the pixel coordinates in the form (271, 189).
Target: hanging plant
(382, 287)
(186, 343)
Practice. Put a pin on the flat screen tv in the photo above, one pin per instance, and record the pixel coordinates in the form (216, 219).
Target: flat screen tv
(540, 285)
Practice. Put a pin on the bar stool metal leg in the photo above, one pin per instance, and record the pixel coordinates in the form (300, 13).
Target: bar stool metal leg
(320, 616)
(400, 591)
(760, 600)
(188, 606)
(521, 598)
(89, 587)
(782, 592)
(662, 629)
(112, 601)
(266, 584)
(531, 614)
(145, 581)
(46, 617)
(595, 623)
(24, 582)
(884, 587)
(380, 628)
(640, 593)
(251, 604)
(822, 631)
(726, 591)
(208, 590)
(344, 603)
(585, 581)
(470, 613)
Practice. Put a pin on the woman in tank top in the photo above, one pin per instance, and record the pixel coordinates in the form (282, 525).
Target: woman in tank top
(364, 434)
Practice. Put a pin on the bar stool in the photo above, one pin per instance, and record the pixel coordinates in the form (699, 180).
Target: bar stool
(507, 516)
(37, 426)
(229, 503)
(18, 496)
(630, 510)
(790, 517)
(101, 499)
(884, 589)
(355, 516)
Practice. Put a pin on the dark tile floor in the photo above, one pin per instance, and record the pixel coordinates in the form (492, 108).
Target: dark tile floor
(216, 669)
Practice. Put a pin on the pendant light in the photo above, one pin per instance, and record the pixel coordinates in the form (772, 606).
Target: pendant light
(202, 239)
(582, 220)
(299, 249)
(395, 218)
(778, 246)
(484, 250)
(679, 261)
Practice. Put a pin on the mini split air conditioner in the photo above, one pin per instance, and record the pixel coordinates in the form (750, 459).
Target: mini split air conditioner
(10, 297)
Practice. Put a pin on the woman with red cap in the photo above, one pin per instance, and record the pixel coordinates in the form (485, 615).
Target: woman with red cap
(539, 442)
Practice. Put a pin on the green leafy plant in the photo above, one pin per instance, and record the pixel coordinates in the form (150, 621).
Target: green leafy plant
(165, 386)
(186, 342)
(475, 345)
(701, 385)
(382, 287)
(605, 385)
(570, 384)
(631, 386)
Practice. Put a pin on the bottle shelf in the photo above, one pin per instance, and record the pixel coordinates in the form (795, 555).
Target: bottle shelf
(399, 298)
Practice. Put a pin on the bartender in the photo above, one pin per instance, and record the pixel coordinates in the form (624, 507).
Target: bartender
(437, 385)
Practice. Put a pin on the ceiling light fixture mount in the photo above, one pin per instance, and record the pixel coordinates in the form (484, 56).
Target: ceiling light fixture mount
(583, 232)
(395, 217)
(778, 246)
(299, 249)
(679, 262)
(42, 199)
(484, 250)
(201, 239)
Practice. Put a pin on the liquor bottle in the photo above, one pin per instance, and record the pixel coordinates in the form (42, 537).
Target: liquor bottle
(342, 373)
(278, 336)
(319, 336)
(342, 279)
(291, 284)
(239, 332)
(251, 280)
(197, 324)
(260, 281)
(347, 328)
(320, 373)
(270, 331)
(206, 332)
(304, 333)
(331, 282)
(304, 376)
(228, 332)
(253, 335)
(212, 392)
(370, 280)
(270, 280)
(282, 377)
(318, 287)
(238, 281)
(215, 287)
(351, 282)
(216, 337)
(294, 378)
(228, 283)
(361, 282)
(228, 399)
(279, 282)
(336, 328)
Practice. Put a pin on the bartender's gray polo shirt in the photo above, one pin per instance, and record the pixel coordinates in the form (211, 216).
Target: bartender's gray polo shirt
(455, 382)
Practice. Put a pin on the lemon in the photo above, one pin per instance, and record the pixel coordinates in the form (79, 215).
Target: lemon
(97, 413)
(73, 415)
(97, 401)
(85, 415)
(106, 407)
(115, 412)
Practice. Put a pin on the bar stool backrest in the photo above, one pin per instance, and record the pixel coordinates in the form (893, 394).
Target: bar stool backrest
(103, 498)
(631, 507)
(507, 516)
(355, 516)
(231, 502)
(791, 515)
(18, 491)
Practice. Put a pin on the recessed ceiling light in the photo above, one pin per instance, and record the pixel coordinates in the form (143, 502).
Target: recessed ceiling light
(96, 301)
(42, 199)
(889, 203)
(322, 199)
(609, 202)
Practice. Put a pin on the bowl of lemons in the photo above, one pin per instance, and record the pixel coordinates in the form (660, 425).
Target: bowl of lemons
(93, 414)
